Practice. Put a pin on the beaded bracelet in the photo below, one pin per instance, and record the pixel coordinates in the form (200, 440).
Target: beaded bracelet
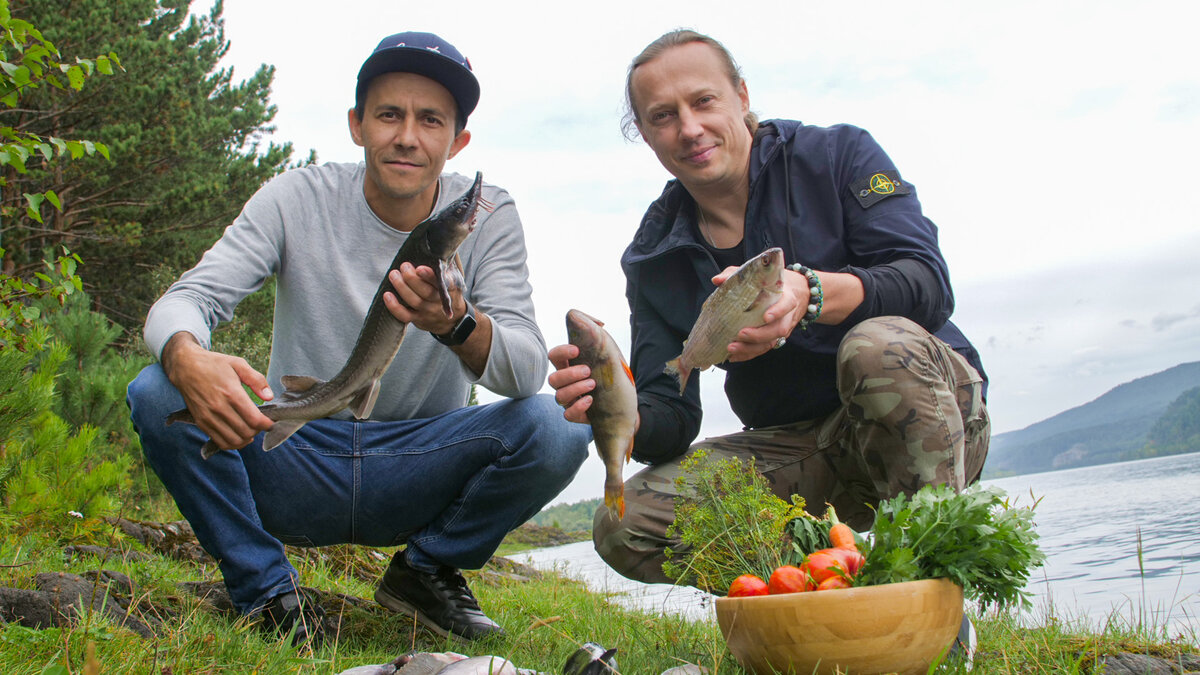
(816, 297)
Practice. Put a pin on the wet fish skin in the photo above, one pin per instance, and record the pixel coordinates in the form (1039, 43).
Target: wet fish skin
(433, 243)
(737, 303)
(591, 659)
(480, 665)
(613, 414)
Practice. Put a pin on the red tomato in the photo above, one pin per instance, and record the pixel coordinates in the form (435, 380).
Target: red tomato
(788, 579)
(852, 561)
(833, 582)
(747, 585)
(824, 564)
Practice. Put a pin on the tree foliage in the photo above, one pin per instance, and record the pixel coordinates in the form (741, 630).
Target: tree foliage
(569, 517)
(186, 140)
(1178, 430)
(28, 61)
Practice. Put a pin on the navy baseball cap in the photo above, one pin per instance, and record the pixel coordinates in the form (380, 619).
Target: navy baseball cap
(424, 54)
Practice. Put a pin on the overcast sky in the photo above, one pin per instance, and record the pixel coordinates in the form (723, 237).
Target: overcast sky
(1054, 144)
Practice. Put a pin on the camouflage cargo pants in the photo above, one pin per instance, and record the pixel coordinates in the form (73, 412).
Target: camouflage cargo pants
(912, 414)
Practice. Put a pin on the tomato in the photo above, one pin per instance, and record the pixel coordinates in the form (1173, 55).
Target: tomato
(747, 585)
(789, 579)
(824, 564)
(852, 561)
(833, 582)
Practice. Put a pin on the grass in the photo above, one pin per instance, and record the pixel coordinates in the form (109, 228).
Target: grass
(547, 618)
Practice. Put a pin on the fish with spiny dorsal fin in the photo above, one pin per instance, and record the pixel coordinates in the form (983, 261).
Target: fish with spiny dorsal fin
(613, 414)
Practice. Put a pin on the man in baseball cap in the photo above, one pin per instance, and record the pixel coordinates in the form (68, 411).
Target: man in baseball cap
(424, 54)
(424, 470)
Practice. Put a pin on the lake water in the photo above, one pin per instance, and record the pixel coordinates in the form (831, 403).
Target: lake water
(1089, 521)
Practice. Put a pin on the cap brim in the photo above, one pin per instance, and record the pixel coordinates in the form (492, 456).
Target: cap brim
(459, 81)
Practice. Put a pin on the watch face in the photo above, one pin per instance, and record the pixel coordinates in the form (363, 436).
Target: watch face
(461, 331)
(464, 328)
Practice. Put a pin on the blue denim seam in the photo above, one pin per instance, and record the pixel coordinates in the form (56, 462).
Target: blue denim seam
(356, 488)
(471, 486)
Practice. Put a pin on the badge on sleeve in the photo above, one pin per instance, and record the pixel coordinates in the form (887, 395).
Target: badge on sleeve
(878, 186)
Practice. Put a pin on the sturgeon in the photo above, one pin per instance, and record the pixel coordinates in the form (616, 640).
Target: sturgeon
(736, 304)
(613, 413)
(433, 243)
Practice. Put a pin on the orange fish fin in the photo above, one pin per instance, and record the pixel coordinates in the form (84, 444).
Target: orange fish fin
(628, 372)
(614, 499)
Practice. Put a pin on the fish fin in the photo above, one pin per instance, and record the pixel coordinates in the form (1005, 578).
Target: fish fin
(757, 300)
(614, 498)
(364, 400)
(183, 415)
(450, 276)
(280, 432)
(299, 384)
(674, 367)
(628, 372)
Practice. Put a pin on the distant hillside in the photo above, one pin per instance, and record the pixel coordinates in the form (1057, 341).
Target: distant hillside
(1113, 428)
(568, 517)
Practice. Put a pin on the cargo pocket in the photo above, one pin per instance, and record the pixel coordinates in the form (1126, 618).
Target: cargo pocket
(977, 426)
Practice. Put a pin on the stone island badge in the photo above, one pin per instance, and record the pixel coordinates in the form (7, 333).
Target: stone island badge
(872, 189)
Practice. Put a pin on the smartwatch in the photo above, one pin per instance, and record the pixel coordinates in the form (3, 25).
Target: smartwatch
(461, 331)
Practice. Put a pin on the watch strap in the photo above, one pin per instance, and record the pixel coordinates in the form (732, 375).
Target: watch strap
(461, 331)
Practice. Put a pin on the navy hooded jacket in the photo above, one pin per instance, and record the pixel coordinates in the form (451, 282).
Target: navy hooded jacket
(834, 201)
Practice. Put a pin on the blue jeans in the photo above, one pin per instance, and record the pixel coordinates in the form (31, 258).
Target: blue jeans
(451, 486)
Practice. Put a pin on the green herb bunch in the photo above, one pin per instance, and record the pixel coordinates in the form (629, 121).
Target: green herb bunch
(974, 538)
(728, 521)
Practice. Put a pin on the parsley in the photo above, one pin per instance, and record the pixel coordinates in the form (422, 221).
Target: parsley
(974, 538)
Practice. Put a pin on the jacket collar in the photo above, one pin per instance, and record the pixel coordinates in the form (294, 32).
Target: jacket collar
(667, 224)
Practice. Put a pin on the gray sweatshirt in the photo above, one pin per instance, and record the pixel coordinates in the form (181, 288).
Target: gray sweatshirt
(313, 228)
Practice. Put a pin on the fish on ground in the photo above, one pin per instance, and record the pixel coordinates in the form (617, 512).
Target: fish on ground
(591, 659)
(737, 303)
(433, 243)
(613, 413)
(481, 665)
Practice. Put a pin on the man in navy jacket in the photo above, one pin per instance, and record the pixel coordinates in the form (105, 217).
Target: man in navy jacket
(855, 387)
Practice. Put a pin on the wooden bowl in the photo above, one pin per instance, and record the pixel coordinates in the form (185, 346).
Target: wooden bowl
(899, 628)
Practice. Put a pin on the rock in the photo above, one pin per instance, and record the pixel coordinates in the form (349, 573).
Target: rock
(1142, 664)
(68, 594)
(105, 553)
(175, 539)
(31, 609)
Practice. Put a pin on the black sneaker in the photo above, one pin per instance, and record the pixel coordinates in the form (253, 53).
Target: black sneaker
(290, 614)
(441, 601)
(963, 647)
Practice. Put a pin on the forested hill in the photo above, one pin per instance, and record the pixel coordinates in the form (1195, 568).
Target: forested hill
(1147, 417)
(569, 517)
